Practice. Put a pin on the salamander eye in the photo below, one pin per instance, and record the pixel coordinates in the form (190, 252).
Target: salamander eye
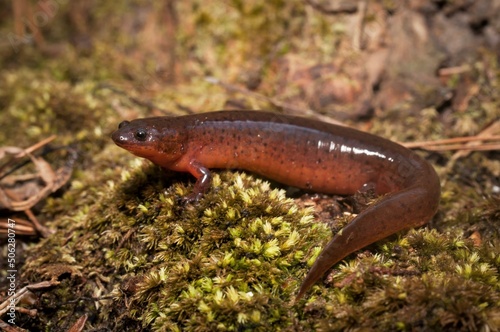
(141, 134)
(123, 124)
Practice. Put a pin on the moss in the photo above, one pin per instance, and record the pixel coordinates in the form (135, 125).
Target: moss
(138, 258)
(132, 257)
(426, 281)
(232, 261)
(35, 106)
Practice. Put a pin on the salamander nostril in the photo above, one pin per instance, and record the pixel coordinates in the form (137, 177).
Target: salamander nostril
(117, 138)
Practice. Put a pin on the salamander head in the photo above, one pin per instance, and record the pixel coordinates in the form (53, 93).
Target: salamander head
(151, 139)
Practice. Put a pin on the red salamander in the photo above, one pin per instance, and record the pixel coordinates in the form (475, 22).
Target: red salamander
(299, 152)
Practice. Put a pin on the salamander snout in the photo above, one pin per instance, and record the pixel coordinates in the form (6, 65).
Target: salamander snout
(130, 133)
(120, 137)
(138, 136)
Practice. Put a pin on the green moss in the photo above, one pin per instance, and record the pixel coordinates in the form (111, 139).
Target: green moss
(234, 260)
(131, 256)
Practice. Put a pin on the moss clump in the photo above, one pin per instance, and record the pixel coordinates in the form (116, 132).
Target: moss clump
(228, 263)
(425, 281)
(231, 262)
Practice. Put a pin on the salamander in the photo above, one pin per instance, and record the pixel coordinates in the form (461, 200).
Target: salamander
(299, 152)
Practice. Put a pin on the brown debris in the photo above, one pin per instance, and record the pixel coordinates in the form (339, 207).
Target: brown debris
(21, 192)
(490, 131)
(79, 324)
(23, 295)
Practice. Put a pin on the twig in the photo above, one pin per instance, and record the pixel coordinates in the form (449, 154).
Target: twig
(472, 143)
(357, 42)
(38, 145)
(25, 152)
(484, 147)
(454, 70)
(39, 227)
(5, 306)
(455, 140)
(490, 130)
(22, 227)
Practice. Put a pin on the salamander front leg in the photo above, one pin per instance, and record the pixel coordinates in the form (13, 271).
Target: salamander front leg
(203, 181)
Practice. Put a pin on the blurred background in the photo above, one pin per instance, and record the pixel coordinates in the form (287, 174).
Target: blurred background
(349, 60)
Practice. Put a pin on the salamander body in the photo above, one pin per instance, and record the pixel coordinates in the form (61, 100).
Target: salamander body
(304, 153)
